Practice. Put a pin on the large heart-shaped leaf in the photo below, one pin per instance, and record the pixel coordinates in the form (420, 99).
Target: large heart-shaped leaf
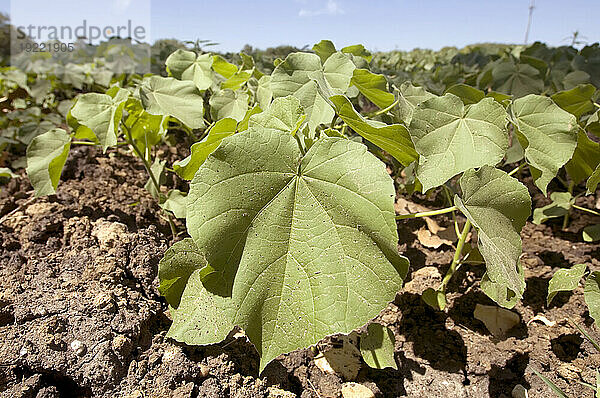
(298, 247)
(517, 79)
(498, 207)
(297, 74)
(548, 134)
(284, 114)
(185, 65)
(451, 137)
(409, 97)
(171, 97)
(102, 114)
(229, 103)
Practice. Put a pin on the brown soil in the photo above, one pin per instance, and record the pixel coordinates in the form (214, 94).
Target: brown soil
(80, 314)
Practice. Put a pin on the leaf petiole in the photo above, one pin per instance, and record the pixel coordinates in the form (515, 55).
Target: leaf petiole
(130, 141)
(456, 260)
(516, 169)
(587, 210)
(426, 213)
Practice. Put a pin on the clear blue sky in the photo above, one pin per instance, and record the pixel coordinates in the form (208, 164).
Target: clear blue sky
(378, 24)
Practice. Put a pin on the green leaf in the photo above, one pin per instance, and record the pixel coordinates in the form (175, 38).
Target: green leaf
(222, 67)
(591, 294)
(373, 86)
(264, 94)
(186, 168)
(468, 95)
(358, 50)
(409, 97)
(185, 65)
(436, 299)
(565, 280)
(243, 124)
(585, 158)
(451, 137)
(297, 74)
(301, 246)
(176, 202)
(517, 79)
(561, 204)
(515, 152)
(236, 81)
(46, 157)
(499, 292)
(5, 172)
(146, 129)
(591, 233)
(593, 181)
(593, 123)
(284, 114)
(174, 270)
(377, 347)
(170, 97)
(547, 133)
(498, 207)
(393, 138)
(229, 104)
(324, 49)
(102, 114)
(577, 101)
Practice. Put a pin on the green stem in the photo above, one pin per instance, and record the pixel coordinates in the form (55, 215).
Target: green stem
(584, 209)
(384, 110)
(302, 150)
(566, 218)
(457, 254)
(343, 130)
(516, 169)
(426, 213)
(141, 156)
(89, 143)
(449, 199)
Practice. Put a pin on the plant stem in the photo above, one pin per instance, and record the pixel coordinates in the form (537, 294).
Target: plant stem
(516, 169)
(302, 150)
(455, 221)
(566, 218)
(584, 209)
(89, 143)
(457, 254)
(141, 155)
(384, 110)
(426, 213)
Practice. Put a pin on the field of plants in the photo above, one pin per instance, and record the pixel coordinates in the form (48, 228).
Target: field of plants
(300, 223)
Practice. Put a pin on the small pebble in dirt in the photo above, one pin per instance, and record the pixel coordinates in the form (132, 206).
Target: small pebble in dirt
(204, 370)
(23, 351)
(356, 390)
(171, 354)
(104, 301)
(78, 347)
(122, 345)
(275, 392)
